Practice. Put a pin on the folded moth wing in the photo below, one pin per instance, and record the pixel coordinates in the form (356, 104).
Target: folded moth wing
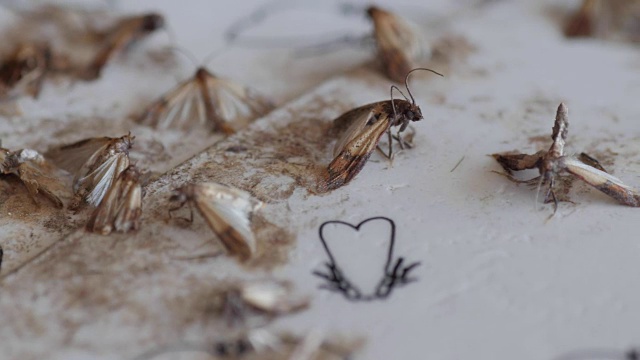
(121, 207)
(227, 211)
(602, 181)
(95, 163)
(400, 46)
(207, 100)
(355, 146)
(34, 172)
(350, 124)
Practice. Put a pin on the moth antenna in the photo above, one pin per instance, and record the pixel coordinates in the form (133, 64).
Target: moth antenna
(186, 53)
(393, 104)
(406, 81)
(212, 55)
(538, 190)
(400, 91)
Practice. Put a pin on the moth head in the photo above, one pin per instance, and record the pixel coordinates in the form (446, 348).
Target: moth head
(152, 22)
(413, 113)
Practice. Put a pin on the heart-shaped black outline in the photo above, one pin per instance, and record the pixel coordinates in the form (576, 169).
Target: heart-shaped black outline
(393, 275)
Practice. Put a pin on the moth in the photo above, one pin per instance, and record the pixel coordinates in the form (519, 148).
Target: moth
(400, 46)
(121, 207)
(24, 71)
(268, 297)
(261, 343)
(606, 19)
(207, 100)
(226, 210)
(96, 163)
(362, 129)
(553, 163)
(1, 256)
(121, 37)
(37, 175)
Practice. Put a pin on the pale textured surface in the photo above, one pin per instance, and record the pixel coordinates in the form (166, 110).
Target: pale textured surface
(497, 280)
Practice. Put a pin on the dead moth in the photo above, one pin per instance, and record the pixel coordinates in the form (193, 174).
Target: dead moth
(24, 70)
(269, 298)
(34, 172)
(121, 207)
(96, 163)
(206, 100)
(121, 37)
(400, 46)
(226, 210)
(362, 129)
(606, 19)
(263, 343)
(552, 163)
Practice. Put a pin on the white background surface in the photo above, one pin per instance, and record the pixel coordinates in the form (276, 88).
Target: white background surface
(497, 280)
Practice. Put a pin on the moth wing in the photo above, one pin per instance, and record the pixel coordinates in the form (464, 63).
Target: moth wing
(98, 182)
(355, 120)
(74, 156)
(400, 45)
(272, 296)
(121, 207)
(236, 105)
(178, 108)
(39, 179)
(354, 155)
(603, 181)
(227, 212)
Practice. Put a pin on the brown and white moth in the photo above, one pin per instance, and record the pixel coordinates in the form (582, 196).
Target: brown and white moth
(243, 300)
(553, 163)
(206, 100)
(606, 19)
(34, 171)
(121, 207)
(400, 46)
(96, 163)
(362, 129)
(226, 210)
(23, 71)
(121, 37)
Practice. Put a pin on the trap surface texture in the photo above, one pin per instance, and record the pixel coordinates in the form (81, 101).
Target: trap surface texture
(489, 259)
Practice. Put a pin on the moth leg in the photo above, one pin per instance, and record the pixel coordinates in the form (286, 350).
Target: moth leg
(390, 139)
(552, 194)
(403, 142)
